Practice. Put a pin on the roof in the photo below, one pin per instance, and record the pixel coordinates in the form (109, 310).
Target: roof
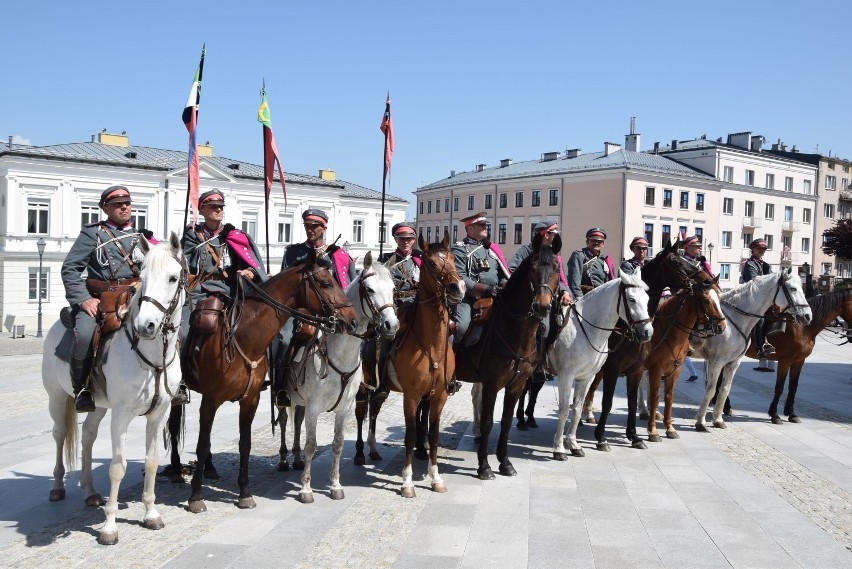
(590, 162)
(167, 160)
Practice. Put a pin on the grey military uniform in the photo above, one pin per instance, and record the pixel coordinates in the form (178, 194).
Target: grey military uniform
(630, 266)
(475, 264)
(586, 270)
(524, 252)
(754, 267)
(405, 274)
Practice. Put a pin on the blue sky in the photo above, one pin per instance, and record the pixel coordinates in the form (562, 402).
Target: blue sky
(470, 82)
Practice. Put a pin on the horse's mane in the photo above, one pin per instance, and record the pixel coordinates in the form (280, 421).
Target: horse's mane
(158, 257)
(634, 279)
(745, 292)
(823, 304)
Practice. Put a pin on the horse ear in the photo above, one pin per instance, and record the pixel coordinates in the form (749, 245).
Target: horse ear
(716, 280)
(422, 242)
(446, 240)
(174, 242)
(312, 256)
(144, 245)
(368, 259)
(557, 244)
(536, 241)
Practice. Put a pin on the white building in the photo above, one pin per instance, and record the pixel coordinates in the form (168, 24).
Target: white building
(49, 192)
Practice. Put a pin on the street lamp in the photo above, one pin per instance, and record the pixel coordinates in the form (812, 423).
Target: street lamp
(41, 243)
(710, 248)
(346, 246)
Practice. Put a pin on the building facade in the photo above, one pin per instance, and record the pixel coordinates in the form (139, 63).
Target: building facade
(49, 192)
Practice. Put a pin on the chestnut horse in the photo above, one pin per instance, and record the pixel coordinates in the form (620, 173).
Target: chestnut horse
(232, 361)
(506, 353)
(421, 361)
(796, 344)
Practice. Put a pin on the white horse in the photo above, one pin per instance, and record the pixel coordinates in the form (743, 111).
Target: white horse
(333, 372)
(580, 348)
(141, 372)
(743, 307)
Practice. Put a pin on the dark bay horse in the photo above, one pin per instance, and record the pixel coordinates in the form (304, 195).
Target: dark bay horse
(796, 344)
(232, 361)
(421, 363)
(506, 354)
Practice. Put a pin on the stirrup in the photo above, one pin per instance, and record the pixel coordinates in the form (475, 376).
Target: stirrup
(768, 349)
(84, 402)
(453, 386)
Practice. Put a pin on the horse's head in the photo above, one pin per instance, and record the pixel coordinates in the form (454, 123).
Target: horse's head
(633, 306)
(321, 295)
(438, 274)
(668, 269)
(372, 295)
(161, 289)
(544, 277)
(710, 320)
(790, 297)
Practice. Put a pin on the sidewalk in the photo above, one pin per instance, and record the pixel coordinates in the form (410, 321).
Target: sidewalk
(27, 345)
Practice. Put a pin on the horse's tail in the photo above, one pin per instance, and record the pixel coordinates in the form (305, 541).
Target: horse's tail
(175, 427)
(70, 445)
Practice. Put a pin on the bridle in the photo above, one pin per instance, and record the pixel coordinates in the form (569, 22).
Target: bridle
(629, 334)
(371, 308)
(786, 315)
(440, 277)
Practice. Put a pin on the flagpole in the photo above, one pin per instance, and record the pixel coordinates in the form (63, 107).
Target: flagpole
(267, 185)
(382, 224)
(194, 123)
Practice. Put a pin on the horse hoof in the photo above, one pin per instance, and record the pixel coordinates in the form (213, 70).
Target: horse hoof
(776, 420)
(211, 474)
(522, 426)
(477, 440)
(439, 487)
(298, 464)
(337, 494)
(375, 456)
(359, 460)
(306, 497)
(95, 500)
(196, 506)
(508, 470)
(655, 438)
(246, 503)
(701, 427)
(284, 466)
(153, 523)
(640, 444)
(57, 495)
(644, 416)
(578, 452)
(485, 473)
(794, 419)
(590, 421)
(421, 454)
(531, 423)
(408, 492)
(110, 538)
(720, 424)
(604, 447)
(672, 434)
(560, 456)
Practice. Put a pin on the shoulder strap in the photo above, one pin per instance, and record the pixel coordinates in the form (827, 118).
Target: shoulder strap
(124, 253)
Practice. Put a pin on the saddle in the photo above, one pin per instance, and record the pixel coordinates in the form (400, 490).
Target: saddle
(481, 311)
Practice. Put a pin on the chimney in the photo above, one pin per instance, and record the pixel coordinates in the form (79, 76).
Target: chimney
(93, 138)
(631, 141)
(740, 140)
(10, 142)
(205, 149)
(452, 173)
(674, 144)
(757, 143)
(610, 148)
(480, 167)
(549, 156)
(656, 148)
(105, 137)
(505, 162)
(572, 152)
(327, 175)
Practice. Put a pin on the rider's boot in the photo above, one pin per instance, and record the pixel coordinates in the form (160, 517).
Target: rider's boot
(83, 400)
(453, 386)
(280, 369)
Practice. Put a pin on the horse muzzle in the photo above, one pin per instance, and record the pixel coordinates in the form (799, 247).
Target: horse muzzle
(644, 331)
(455, 292)
(389, 329)
(540, 311)
(803, 317)
(147, 330)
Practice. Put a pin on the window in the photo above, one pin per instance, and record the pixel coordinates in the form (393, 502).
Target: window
(455, 204)
(429, 234)
(806, 244)
(727, 238)
(650, 195)
(749, 209)
(728, 206)
(488, 201)
(535, 199)
(501, 233)
(37, 217)
(519, 199)
(788, 213)
(681, 230)
(438, 235)
(89, 214)
(283, 232)
(519, 233)
(768, 239)
(37, 285)
(725, 272)
(825, 269)
(249, 227)
(554, 197)
(747, 238)
(470, 203)
(504, 199)
(421, 208)
(139, 218)
(806, 215)
(699, 232)
(749, 177)
(770, 181)
(649, 233)
(831, 182)
(684, 200)
(437, 206)
(844, 184)
(382, 227)
(358, 231)
(455, 233)
(699, 202)
(729, 174)
(667, 198)
(447, 204)
(788, 184)
(831, 165)
(828, 211)
(665, 234)
(770, 211)
(807, 187)
(429, 207)
(787, 243)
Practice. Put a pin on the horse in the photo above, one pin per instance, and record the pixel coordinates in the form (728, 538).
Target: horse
(136, 372)
(668, 269)
(506, 353)
(232, 362)
(332, 373)
(743, 307)
(689, 313)
(797, 342)
(421, 362)
(580, 347)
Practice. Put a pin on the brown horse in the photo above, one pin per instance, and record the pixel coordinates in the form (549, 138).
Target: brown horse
(691, 312)
(421, 362)
(796, 344)
(232, 361)
(506, 353)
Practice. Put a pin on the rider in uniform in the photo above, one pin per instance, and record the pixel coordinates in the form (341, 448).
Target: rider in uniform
(108, 251)
(753, 267)
(587, 267)
(639, 247)
(315, 222)
(692, 254)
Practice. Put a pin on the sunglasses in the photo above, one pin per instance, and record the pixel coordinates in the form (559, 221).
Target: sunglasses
(596, 241)
(312, 226)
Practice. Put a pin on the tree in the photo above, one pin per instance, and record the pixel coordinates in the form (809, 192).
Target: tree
(838, 240)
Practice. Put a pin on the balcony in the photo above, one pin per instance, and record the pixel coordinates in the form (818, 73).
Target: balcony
(789, 258)
(752, 222)
(790, 226)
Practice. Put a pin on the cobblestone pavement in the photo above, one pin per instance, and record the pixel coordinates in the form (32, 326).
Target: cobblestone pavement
(752, 495)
